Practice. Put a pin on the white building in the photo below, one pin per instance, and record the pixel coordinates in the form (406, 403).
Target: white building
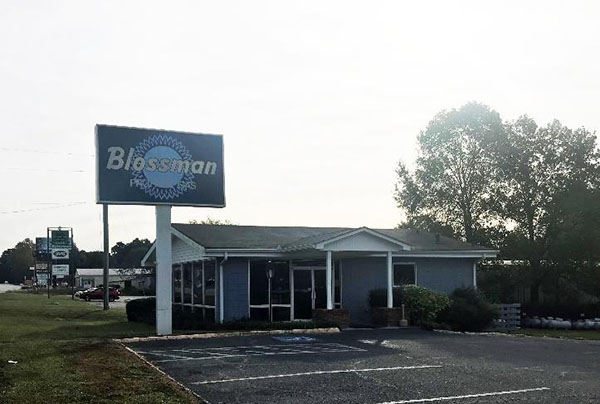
(131, 277)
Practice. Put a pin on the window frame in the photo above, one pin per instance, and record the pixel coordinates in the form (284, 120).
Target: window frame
(415, 271)
(179, 291)
(272, 305)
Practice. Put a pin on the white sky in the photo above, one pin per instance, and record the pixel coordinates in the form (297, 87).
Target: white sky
(317, 101)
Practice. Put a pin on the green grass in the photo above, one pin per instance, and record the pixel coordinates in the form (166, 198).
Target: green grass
(570, 334)
(65, 355)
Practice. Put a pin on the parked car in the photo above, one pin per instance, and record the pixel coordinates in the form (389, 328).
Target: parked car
(98, 293)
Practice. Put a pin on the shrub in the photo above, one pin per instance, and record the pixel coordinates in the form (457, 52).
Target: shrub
(142, 310)
(378, 297)
(423, 304)
(468, 311)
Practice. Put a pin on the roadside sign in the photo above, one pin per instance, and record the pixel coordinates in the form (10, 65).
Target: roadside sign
(60, 254)
(41, 245)
(60, 239)
(42, 278)
(60, 270)
(41, 266)
(157, 167)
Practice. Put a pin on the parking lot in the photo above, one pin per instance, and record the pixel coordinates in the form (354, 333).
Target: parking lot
(381, 366)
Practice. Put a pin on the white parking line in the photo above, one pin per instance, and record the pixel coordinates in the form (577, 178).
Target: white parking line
(448, 398)
(320, 372)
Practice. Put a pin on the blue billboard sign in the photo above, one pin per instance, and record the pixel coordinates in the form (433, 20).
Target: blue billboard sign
(157, 167)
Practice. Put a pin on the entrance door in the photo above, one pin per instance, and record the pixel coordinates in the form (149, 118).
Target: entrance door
(310, 292)
(303, 294)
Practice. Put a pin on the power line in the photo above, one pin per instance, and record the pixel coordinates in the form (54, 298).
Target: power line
(7, 212)
(53, 170)
(19, 150)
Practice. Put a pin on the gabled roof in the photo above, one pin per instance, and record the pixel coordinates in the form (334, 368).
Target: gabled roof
(291, 237)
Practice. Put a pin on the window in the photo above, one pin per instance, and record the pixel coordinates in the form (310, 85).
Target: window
(265, 295)
(187, 283)
(404, 274)
(194, 287)
(337, 282)
(177, 284)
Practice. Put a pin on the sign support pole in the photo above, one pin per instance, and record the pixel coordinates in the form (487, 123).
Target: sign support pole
(164, 271)
(106, 255)
(49, 258)
(72, 268)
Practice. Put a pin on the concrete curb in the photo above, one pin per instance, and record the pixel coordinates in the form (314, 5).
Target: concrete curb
(163, 373)
(207, 335)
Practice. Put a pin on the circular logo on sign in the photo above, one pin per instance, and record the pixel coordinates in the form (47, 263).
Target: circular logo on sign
(161, 167)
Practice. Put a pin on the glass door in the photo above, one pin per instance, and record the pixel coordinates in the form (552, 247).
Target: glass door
(303, 294)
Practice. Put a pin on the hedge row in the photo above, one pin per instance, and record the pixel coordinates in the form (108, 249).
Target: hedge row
(144, 310)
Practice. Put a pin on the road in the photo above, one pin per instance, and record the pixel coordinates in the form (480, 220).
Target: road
(7, 287)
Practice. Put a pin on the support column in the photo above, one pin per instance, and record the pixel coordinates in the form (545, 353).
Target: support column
(390, 281)
(164, 271)
(328, 278)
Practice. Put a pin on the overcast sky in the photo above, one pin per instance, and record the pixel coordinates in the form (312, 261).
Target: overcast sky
(317, 101)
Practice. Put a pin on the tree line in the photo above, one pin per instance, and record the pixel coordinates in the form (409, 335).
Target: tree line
(15, 262)
(530, 191)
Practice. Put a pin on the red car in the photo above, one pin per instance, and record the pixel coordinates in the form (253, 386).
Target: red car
(98, 293)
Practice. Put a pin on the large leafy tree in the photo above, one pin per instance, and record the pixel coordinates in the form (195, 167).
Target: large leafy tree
(129, 255)
(448, 190)
(535, 166)
(15, 262)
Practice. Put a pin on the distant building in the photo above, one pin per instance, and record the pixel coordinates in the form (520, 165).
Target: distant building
(139, 278)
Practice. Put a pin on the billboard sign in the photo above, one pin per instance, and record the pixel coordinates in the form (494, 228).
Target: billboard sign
(60, 270)
(41, 245)
(60, 239)
(41, 266)
(157, 167)
(42, 278)
(60, 254)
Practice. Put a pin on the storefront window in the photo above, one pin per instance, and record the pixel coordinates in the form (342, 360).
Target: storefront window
(209, 282)
(177, 284)
(404, 274)
(276, 305)
(187, 283)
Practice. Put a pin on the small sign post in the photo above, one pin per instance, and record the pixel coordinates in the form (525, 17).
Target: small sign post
(161, 168)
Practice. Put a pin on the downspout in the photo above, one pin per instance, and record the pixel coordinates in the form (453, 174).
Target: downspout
(221, 308)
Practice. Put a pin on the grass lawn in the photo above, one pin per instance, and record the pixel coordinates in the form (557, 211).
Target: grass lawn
(65, 355)
(572, 334)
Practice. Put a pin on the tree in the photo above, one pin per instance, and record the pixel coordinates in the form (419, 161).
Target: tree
(213, 222)
(448, 190)
(90, 259)
(15, 262)
(129, 255)
(534, 167)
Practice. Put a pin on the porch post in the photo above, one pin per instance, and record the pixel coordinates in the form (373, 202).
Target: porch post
(328, 278)
(390, 281)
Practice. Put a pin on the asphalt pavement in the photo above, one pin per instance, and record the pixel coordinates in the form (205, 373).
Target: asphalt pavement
(382, 366)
